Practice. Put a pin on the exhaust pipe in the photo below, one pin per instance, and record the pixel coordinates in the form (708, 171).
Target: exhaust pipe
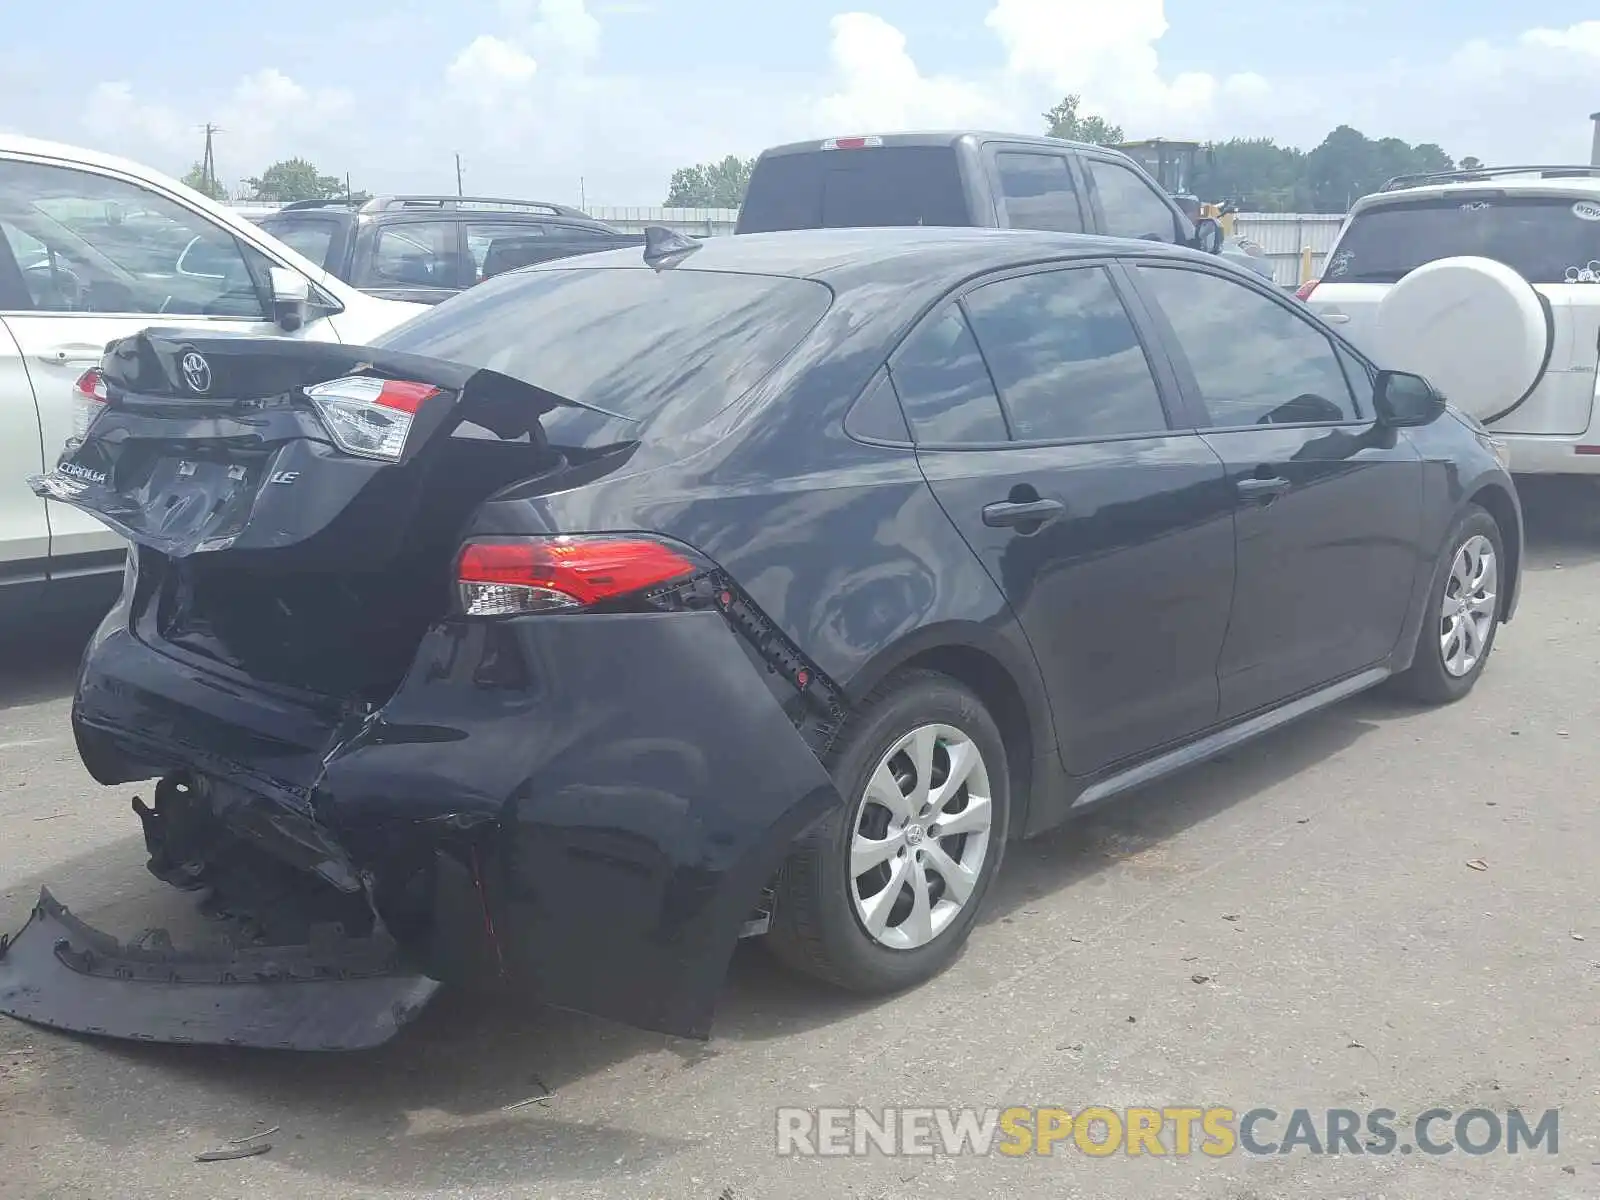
(1594, 153)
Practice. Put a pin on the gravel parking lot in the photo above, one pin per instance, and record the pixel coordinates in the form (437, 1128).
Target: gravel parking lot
(1295, 926)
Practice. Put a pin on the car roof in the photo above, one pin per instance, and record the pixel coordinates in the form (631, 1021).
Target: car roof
(939, 258)
(17, 144)
(934, 137)
(1575, 188)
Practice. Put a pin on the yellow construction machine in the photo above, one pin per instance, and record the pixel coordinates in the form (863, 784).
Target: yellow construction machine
(1172, 164)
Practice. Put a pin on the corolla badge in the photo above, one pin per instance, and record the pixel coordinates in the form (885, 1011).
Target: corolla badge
(196, 372)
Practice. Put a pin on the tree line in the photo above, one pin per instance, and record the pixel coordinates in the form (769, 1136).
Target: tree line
(281, 183)
(1256, 174)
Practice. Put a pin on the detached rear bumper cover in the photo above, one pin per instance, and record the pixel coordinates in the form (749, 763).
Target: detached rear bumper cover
(642, 780)
(337, 994)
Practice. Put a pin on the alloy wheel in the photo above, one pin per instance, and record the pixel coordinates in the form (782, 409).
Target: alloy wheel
(920, 837)
(1467, 614)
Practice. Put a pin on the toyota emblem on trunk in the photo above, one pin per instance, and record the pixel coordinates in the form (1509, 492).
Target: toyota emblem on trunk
(196, 372)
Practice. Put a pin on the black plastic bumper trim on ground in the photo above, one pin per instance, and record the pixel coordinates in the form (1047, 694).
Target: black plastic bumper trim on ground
(335, 993)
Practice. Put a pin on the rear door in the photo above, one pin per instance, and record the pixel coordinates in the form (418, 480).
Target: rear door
(1036, 189)
(1551, 240)
(1043, 431)
(1329, 507)
(24, 528)
(105, 257)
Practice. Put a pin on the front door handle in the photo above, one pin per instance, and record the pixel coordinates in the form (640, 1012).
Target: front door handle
(1262, 491)
(1022, 512)
(1334, 317)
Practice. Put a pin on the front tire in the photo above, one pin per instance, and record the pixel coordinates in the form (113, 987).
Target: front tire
(1462, 615)
(883, 894)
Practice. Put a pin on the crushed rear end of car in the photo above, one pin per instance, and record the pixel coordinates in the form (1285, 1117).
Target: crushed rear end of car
(394, 749)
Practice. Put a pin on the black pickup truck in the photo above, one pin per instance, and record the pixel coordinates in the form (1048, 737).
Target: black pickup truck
(969, 178)
(427, 248)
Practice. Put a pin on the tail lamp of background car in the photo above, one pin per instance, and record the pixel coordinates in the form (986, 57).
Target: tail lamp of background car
(522, 576)
(1303, 292)
(89, 396)
(368, 416)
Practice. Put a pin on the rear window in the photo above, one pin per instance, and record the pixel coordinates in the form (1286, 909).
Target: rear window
(635, 342)
(1545, 239)
(309, 238)
(845, 189)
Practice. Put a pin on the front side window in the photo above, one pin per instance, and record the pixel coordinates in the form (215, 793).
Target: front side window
(91, 243)
(416, 254)
(1254, 360)
(1037, 192)
(1066, 356)
(1132, 208)
(944, 387)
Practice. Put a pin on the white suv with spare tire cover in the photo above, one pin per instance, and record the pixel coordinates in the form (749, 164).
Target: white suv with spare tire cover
(1487, 282)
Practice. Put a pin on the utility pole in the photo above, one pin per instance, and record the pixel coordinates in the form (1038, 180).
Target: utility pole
(208, 161)
(349, 193)
(583, 195)
(459, 192)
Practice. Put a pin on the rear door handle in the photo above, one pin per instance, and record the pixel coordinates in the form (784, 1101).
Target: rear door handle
(1262, 491)
(1334, 317)
(1022, 512)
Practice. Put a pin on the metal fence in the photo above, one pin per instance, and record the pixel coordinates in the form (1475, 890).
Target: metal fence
(1285, 237)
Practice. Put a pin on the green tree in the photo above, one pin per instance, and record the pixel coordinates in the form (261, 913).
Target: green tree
(196, 178)
(1469, 163)
(1348, 164)
(711, 185)
(294, 179)
(1257, 174)
(1063, 121)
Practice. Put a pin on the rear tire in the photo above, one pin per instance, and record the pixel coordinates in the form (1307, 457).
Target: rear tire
(1462, 614)
(883, 893)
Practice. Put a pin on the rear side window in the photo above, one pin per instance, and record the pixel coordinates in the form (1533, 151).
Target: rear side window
(1066, 356)
(1037, 192)
(1132, 207)
(1545, 239)
(944, 387)
(631, 341)
(309, 237)
(839, 189)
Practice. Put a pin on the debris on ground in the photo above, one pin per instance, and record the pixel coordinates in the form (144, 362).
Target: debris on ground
(1200, 978)
(1577, 937)
(545, 1094)
(1477, 864)
(228, 1153)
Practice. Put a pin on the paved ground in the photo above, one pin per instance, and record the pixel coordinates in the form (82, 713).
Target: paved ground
(1319, 880)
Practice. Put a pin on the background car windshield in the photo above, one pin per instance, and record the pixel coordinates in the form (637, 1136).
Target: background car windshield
(631, 341)
(1542, 238)
(846, 189)
(310, 239)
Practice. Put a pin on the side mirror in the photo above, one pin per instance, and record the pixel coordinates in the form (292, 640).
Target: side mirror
(1403, 399)
(291, 298)
(1208, 235)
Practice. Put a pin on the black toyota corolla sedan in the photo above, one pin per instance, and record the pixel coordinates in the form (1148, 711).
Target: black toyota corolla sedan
(765, 586)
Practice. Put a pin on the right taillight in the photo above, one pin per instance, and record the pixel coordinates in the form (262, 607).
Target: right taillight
(89, 398)
(369, 416)
(1303, 292)
(519, 576)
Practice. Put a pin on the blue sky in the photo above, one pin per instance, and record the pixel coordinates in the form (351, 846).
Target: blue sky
(538, 94)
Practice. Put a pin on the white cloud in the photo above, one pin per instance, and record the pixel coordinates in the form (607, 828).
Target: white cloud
(533, 105)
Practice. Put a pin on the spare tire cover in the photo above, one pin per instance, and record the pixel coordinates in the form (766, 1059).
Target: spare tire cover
(1473, 327)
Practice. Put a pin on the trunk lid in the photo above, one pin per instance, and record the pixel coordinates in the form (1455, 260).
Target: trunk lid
(267, 551)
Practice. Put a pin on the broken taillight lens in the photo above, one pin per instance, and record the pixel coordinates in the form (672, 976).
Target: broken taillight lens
(518, 576)
(89, 398)
(368, 416)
